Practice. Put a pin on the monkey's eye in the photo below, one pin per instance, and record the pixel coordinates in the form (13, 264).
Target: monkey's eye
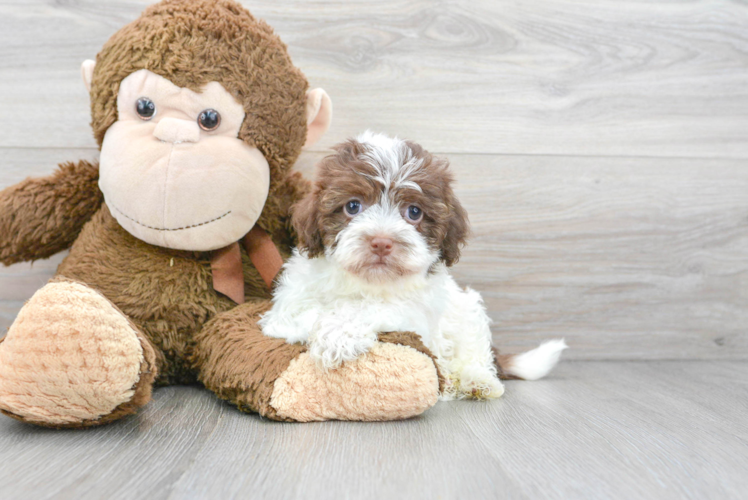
(209, 119)
(413, 214)
(353, 208)
(145, 108)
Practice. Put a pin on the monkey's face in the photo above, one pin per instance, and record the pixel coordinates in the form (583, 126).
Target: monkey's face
(174, 172)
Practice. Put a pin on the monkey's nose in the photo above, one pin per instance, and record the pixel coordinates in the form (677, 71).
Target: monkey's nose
(381, 246)
(175, 130)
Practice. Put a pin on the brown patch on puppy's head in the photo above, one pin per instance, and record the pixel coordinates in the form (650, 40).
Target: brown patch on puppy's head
(319, 217)
(445, 221)
(307, 223)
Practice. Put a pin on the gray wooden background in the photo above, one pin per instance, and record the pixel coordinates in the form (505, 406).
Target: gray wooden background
(600, 147)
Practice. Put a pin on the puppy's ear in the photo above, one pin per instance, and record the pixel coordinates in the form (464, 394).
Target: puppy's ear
(306, 223)
(458, 228)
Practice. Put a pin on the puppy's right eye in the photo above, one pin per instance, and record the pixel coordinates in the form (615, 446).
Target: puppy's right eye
(352, 208)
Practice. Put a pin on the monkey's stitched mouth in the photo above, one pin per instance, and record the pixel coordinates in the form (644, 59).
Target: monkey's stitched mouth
(170, 229)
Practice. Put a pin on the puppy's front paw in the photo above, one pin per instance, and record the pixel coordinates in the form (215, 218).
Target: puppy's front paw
(332, 344)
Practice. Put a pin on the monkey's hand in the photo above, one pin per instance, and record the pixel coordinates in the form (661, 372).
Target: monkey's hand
(340, 336)
(43, 216)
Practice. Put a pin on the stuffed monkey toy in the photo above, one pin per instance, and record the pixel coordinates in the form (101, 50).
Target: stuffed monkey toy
(176, 235)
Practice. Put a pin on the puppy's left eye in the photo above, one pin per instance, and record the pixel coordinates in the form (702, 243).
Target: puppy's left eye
(413, 214)
(352, 208)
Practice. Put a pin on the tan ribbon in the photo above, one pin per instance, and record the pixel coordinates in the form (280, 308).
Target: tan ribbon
(226, 264)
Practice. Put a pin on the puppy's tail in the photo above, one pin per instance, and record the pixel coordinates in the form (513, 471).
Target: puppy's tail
(530, 365)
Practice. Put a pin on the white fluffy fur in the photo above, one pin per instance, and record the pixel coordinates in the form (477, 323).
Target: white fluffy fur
(537, 363)
(339, 303)
(347, 313)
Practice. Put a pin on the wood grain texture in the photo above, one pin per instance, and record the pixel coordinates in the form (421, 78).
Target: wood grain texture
(627, 258)
(600, 149)
(577, 77)
(615, 430)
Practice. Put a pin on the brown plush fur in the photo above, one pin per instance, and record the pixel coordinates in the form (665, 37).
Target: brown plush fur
(167, 293)
(40, 217)
(190, 332)
(238, 362)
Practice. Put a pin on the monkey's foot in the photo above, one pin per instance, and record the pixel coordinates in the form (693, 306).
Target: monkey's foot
(396, 379)
(72, 359)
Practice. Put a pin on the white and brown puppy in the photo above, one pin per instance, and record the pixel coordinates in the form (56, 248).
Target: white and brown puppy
(376, 237)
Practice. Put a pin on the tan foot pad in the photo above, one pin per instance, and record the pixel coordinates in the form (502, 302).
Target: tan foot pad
(70, 357)
(390, 382)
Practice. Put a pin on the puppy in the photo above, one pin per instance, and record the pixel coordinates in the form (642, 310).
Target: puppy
(376, 238)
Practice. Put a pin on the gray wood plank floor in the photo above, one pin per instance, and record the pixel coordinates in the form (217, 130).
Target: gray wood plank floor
(600, 148)
(614, 430)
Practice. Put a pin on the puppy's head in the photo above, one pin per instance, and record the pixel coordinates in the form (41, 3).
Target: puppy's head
(382, 209)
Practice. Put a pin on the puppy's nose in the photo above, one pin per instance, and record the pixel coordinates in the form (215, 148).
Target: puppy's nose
(381, 246)
(175, 130)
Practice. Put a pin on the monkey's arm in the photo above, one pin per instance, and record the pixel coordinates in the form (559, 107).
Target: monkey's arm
(42, 216)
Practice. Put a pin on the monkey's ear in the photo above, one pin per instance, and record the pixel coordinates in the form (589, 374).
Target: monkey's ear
(305, 220)
(87, 72)
(318, 115)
